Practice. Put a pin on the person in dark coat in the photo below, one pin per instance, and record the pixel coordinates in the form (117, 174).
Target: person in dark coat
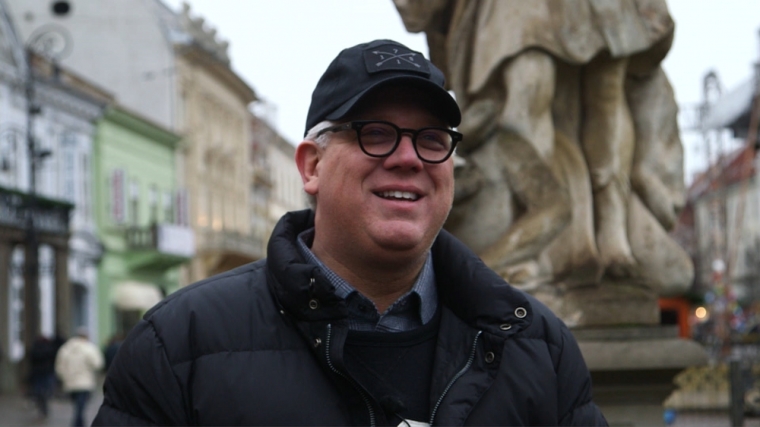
(112, 348)
(42, 372)
(365, 312)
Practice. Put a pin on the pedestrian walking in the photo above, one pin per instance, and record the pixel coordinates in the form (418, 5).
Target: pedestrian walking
(77, 364)
(42, 372)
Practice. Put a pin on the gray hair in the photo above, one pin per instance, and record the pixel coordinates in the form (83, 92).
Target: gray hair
(321, 141)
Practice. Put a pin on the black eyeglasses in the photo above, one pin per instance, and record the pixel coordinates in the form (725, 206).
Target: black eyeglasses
(378, 138)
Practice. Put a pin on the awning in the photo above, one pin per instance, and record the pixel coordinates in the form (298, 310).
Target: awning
(135, 295)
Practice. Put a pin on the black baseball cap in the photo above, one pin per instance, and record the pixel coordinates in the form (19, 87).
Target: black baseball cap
(358, 70)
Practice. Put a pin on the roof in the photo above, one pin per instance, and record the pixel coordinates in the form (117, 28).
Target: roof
(194, 39)
(732, 168)
(731, 106)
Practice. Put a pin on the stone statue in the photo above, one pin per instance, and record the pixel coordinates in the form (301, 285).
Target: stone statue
(571, 167)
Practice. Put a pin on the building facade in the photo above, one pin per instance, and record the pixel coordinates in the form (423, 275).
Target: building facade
(214, 102)
(726, 197)
(277, 187)
(287, 194)
(141, 220)
(726, 221)
(175, 71)
(261, 180)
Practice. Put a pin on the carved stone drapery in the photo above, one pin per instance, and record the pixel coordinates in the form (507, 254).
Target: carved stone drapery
(573, 167)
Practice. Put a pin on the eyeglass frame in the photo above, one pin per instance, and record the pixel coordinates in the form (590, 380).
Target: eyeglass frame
(357, 125)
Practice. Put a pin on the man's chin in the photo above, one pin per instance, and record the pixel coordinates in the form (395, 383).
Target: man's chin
(401, 239)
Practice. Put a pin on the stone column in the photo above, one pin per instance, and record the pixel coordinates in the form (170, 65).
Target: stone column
(632, 369)
(6, 373)
(31, 292)
(62, 290)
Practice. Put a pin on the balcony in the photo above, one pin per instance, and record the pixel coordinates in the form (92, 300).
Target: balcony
(223, 250)
(232, 243)
(159, 246)
(48, 215)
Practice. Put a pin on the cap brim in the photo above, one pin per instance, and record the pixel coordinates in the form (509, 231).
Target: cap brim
(447, 105)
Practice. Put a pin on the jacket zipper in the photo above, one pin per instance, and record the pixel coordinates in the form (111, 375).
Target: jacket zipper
(456, 377)
(349, 379)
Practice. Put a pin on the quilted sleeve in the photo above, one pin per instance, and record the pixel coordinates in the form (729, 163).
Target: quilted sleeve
(575, 404)
(141, 387)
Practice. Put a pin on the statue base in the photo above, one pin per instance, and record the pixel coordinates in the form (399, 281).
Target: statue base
(597, 306)
(632, 369)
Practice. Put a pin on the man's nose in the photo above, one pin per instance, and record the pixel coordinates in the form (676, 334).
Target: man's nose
(405, 154)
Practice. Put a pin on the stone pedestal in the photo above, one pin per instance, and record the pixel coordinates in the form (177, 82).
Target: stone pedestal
(632, 369)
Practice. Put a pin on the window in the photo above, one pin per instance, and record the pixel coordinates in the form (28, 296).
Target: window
(168, 208)
(118, 200)
(46, 277)
(68, 169)
(181, 206)
(85, 178)
(134, 202)
(153, 203)
(10, 150)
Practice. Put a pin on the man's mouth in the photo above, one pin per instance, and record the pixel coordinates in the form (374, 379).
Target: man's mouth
(398, 195)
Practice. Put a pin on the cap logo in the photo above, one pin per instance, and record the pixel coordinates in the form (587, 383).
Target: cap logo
(394, 57)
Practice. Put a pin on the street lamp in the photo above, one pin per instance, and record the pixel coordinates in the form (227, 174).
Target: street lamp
(51, 42)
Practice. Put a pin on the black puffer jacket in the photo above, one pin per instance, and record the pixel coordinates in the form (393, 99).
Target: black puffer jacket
(263, 345)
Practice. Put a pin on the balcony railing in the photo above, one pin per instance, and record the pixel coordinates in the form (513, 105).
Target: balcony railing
(232, 242)
(48, 215)
(167, 239)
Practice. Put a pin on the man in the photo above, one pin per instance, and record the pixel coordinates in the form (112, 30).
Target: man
(77, 364)
(364, 312)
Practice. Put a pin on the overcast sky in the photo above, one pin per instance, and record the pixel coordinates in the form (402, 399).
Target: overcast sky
(281, 48)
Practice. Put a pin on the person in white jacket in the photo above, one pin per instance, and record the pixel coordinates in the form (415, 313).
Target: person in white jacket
(77, 364)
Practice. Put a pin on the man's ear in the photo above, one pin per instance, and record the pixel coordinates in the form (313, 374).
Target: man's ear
(308, 155)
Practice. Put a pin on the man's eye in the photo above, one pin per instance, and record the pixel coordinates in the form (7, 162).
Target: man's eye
(434, 139)
(378, 131)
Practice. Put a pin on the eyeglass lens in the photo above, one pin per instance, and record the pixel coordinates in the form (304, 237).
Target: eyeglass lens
(379, 139)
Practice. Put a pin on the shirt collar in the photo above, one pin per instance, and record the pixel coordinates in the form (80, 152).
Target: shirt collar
(424, 287)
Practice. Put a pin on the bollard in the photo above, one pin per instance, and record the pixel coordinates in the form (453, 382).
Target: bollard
(737, 394)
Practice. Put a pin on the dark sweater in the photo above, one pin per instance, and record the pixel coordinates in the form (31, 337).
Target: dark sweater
(395, 368)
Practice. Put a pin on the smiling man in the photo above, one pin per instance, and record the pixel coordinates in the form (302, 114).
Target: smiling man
(365, 312)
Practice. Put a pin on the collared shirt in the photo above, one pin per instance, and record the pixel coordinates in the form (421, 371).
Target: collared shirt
(412, 310)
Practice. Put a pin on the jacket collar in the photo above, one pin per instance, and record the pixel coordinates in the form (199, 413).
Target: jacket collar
(474, 292)
(299, 287)
(471, 290)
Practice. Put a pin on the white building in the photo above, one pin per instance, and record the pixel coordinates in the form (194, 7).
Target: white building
(117, 44)
(61, 110)
(280, 189)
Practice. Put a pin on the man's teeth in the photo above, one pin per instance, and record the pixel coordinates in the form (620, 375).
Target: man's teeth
(405, 195)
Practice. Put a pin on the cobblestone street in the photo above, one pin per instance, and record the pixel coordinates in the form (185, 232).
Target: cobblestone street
(710, 419)
(16, 410)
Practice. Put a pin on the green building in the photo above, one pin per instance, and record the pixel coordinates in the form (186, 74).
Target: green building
(141, 218)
